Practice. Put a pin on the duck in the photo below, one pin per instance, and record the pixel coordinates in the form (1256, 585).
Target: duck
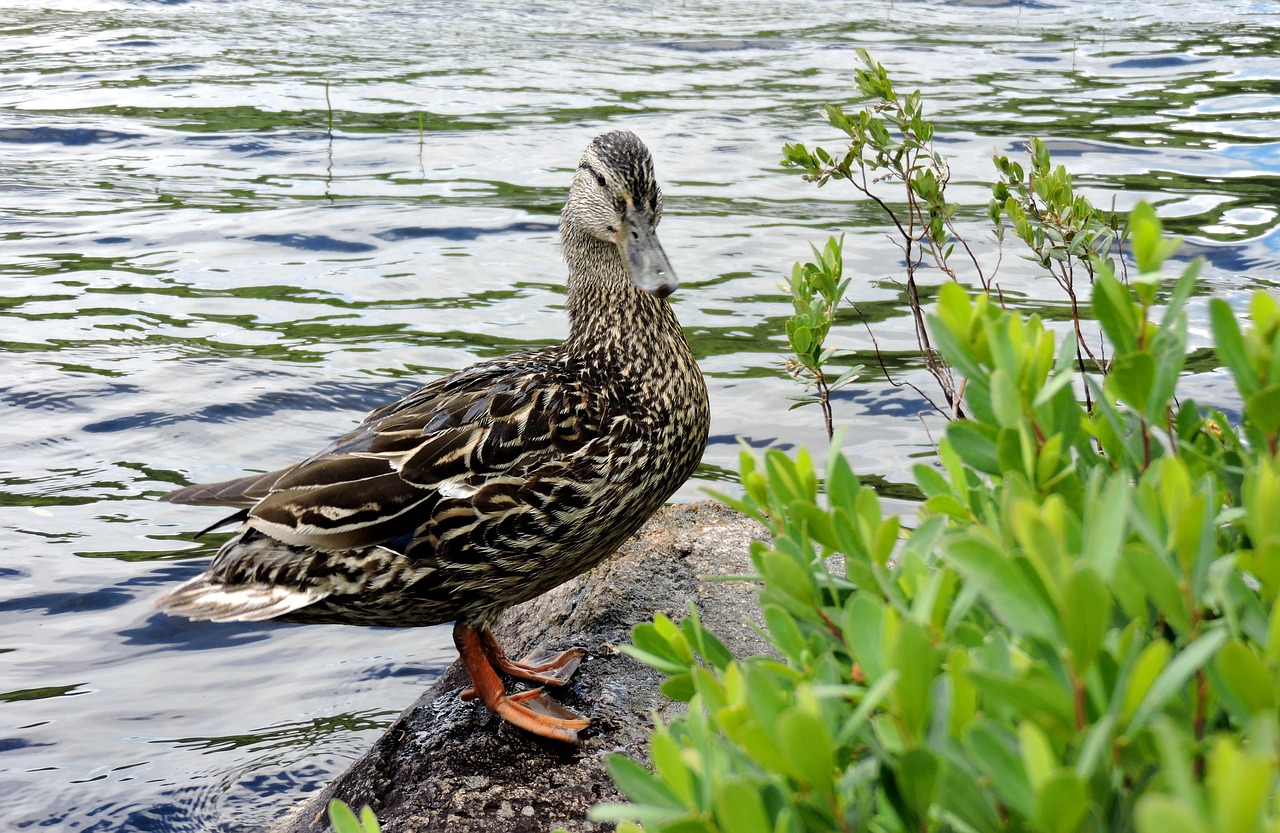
(493, 484)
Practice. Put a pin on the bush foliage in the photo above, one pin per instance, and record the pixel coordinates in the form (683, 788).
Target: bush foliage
(1079, 629)
(1078, 633)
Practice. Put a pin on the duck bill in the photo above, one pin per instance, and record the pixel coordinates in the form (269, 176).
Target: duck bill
(650, 269)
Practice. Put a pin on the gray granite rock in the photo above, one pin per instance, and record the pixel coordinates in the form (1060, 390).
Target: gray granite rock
(447, 766)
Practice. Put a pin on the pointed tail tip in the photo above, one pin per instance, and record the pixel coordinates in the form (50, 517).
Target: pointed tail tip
(205, 599)
(200, 494)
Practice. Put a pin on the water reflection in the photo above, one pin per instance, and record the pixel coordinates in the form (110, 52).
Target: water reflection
(230, 231)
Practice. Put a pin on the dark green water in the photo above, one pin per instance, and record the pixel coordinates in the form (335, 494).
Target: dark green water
(204, 270)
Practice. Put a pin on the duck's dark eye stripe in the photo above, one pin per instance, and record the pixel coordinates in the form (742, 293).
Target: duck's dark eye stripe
(599, 176)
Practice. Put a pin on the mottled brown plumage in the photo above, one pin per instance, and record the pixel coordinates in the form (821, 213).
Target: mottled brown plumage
(494, 484)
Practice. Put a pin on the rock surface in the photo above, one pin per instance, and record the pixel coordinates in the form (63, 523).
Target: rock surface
(447, 766)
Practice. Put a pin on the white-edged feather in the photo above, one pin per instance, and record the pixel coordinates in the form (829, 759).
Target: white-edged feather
(203, 599)
(456, 490)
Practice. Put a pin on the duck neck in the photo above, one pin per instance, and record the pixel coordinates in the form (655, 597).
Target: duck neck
(609, 318)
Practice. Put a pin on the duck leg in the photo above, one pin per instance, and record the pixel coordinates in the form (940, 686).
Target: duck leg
(532, 710)
(541, 667)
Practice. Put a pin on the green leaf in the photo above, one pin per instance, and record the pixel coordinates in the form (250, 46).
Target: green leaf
(1056, 382)
(1038, 758)
(870, 701)
(764, 697)
(786, 575)
(842, 483)
(713, 690)
(1243, 681)
(1150, 248)
(863, 632)
(342, 818)
(976, 444)
(738, 807)
(785, 632)
(1240, 787)
(930, 480)
(1096, 749)
(1060, 803)
(803, 739)
(706, 643)
(652, 644)
(960, 794)
(1162, 582)
(678, 687)
(1146, 667)
(1272, 650)
(1105, 523)
(1131, 378)
(802, 340)
(1229, 345)
(1013, 599)
(911, 785)
(913, 659)
(1175, 676)
(1086, 614)
(1181, 292)
(658, 663)
(1034, 694)
(1005, 399)
(649, 815)
(992, 751)
(1159, 813)
(1263, 408)
(639, 784)
(1116, 313)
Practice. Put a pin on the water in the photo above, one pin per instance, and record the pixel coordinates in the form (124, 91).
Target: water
(201, 277)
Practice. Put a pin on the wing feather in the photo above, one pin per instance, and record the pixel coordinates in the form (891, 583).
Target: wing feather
(428, 456)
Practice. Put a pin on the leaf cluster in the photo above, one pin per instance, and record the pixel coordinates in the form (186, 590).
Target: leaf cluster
(891, 141)
(1061, 227)
(344, 819)
(1078, 633)
(816, 289)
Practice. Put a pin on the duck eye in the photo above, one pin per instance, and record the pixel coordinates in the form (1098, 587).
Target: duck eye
(583, 166)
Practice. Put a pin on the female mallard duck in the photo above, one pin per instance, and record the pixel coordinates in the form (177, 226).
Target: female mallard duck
(494, 484)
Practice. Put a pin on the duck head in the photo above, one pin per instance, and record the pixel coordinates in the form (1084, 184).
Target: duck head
(616, 200)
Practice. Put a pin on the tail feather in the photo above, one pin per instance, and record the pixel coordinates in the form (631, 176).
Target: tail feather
(242, 491)
(204, 598)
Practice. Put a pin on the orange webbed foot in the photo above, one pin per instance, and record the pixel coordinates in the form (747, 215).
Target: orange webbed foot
(534, 711)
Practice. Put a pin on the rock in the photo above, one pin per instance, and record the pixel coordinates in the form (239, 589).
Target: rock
(448, 766)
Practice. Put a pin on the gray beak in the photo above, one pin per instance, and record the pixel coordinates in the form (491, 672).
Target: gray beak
(650, 269)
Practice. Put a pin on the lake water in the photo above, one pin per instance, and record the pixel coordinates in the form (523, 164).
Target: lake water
(205, 270)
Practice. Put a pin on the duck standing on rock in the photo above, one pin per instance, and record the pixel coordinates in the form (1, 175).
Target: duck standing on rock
(494, 484)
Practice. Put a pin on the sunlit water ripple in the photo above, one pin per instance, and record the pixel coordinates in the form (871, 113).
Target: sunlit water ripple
(204, 272)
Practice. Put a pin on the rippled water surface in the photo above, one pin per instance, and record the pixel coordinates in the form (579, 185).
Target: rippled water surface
(206, 270)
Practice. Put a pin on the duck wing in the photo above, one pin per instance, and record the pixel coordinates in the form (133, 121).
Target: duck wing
(482, 430)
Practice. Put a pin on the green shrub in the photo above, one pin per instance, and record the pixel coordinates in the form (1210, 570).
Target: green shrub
(891, 161)
(344, 820)
(1078, 632)
(816, 289)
